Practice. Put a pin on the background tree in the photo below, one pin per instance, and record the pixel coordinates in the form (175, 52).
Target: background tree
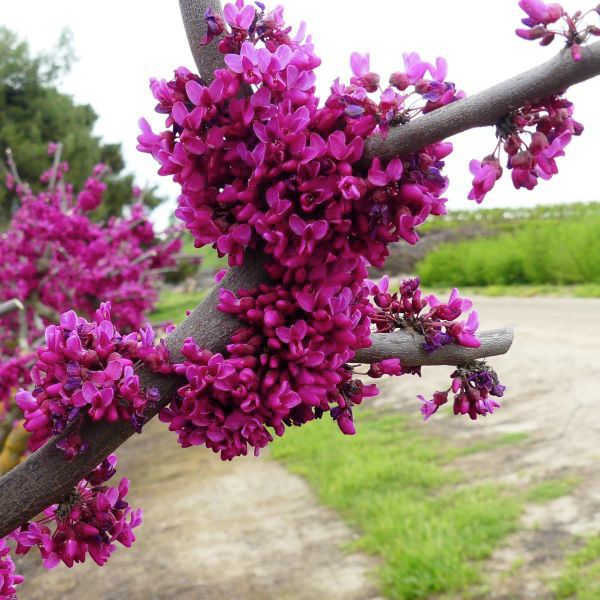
(33, 112)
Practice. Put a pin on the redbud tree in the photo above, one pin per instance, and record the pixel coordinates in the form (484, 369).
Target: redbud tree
(54, 258)
(301, 196)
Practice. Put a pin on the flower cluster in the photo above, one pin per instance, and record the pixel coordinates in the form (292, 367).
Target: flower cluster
(475, 387)
(436, 321)
(533, 137)
(262, 165)
(87, 368)
(88, 522)
(285, 367)
(8, 577)
(540, 16)
(54, 256)
(14, 373)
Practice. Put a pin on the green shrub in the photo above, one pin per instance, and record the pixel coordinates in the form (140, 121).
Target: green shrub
(537, 252)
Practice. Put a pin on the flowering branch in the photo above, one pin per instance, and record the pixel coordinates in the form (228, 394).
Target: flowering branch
(489, 106)
(408, 347)
(46, 477)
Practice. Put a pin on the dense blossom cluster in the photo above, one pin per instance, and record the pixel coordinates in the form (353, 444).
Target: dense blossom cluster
(475, 387)
(533, 137)
(88, 522)
(9, 579)
(261, 164)
(87, 368)
(55, 256)
(436, 321)
(541, 16)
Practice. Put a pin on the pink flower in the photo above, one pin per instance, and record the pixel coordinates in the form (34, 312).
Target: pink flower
(485, 173)
(239, 15)
(541, 13)
(464, 332)
(430, 407)
(381, 178)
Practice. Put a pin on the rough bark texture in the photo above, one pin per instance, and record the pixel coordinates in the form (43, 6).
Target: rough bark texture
(207, 58)
(46, 477)
(408, 347)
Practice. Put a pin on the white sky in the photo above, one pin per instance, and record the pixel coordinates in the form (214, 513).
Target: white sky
(121, 44)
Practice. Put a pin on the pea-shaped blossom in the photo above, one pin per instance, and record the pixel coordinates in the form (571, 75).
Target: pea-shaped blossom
(90, 521)
(86, 368)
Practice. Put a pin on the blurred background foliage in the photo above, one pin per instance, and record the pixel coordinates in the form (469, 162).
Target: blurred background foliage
(33, 113)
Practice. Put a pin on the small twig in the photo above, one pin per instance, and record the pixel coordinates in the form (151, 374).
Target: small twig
(11, 306)
(55, 165)
(409, 349)
(23, 331)
(12, 166)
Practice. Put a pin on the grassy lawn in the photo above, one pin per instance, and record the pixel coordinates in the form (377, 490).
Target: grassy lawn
(550, 489)
(172, 306)
(581, 576)
(426, 519)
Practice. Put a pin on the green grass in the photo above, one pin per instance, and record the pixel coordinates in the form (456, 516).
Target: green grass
(428, 522)
(172, 306)
(555, 252)
(550, 489)
(494, 443)
(581, 576)
(210, 261)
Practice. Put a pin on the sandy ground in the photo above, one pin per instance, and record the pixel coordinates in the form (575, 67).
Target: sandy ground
(249, 530)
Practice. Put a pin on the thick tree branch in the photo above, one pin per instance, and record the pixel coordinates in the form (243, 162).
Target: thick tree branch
(487, 107)
(207, 58)
(46, 477)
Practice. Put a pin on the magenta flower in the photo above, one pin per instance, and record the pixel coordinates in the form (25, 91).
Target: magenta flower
(540, 13)
(451, 310)
(89, 521)
(464, 332)
(414, 67)
(381, 178)
(485, 175)
(430, 407)
(239, 15)
(9, 579)
(362, 75)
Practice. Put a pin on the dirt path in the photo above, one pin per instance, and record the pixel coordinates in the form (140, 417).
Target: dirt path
(553, 379)
(246, 530)
(249, 530)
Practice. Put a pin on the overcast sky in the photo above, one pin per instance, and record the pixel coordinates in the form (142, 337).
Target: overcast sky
(121, 44)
